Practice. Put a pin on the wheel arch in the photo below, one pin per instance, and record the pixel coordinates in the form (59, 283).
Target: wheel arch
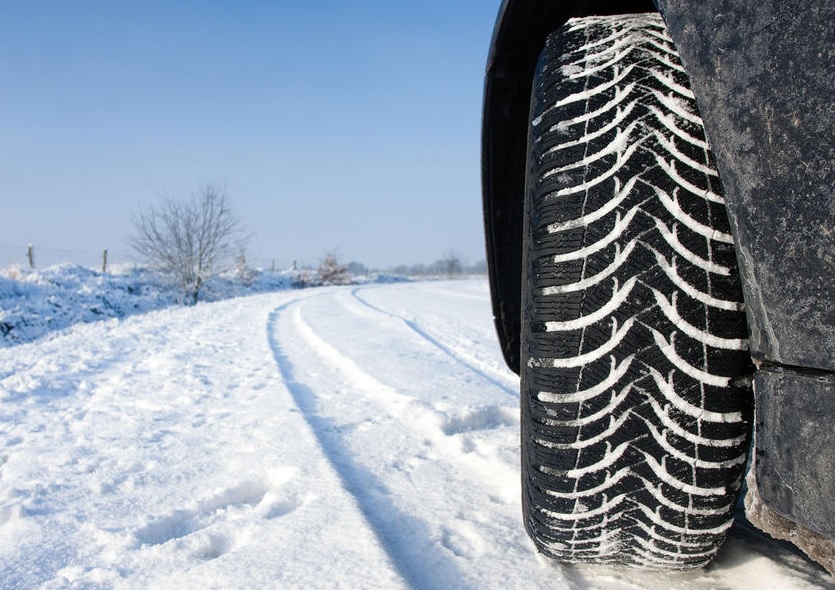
(521, 29)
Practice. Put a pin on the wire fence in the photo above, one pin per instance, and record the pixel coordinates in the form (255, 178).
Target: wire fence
(38, 257)
(104, 260)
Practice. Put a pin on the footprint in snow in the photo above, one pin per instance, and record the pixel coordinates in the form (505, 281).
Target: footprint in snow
(463, 540)
(213, 546)
(254, 498)
(483, 418)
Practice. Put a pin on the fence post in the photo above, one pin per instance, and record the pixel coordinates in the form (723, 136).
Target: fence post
(30, 253)
(104, 261)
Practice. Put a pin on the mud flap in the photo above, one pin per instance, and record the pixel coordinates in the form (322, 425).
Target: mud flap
(792, 477)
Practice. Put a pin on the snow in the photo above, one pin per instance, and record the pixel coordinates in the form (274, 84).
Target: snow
(34, 303)
(342, 437)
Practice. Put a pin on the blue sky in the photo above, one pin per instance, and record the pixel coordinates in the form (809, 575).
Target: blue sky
(340, 125)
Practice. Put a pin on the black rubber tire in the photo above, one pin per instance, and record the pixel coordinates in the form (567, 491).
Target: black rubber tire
(636, 397)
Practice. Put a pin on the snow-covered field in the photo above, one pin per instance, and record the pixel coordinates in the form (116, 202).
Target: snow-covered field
(354, 437)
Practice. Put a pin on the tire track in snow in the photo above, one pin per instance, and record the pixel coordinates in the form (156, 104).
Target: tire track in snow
(418, 415)
(435, 507)
(458, 355)
(383, 518)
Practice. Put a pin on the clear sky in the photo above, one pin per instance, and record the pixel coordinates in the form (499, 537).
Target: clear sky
(334, 125)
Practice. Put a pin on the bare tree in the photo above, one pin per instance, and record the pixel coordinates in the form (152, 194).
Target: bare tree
(190, 239)
(332, 272)
(451, 264)
(244, 272)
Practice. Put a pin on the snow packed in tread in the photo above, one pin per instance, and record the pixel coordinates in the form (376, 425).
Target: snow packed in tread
(634, 425)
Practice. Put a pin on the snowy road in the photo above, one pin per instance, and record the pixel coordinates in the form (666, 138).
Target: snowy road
(357, 438)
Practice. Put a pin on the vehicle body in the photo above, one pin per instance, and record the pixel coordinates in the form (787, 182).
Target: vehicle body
(762, 74)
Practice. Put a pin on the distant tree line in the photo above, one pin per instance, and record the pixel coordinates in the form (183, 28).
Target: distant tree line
(450, 265)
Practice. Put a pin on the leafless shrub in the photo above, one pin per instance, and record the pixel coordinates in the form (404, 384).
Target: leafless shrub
(190, 240)
(331, 272)
(244, 272)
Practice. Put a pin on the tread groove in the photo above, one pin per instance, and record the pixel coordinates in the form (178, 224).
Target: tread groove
(634, 417)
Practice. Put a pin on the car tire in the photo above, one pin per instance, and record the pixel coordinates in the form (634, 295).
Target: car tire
(636, 395)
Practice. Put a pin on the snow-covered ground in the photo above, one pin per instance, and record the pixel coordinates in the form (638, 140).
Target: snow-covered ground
(34, 303)
(353, 437)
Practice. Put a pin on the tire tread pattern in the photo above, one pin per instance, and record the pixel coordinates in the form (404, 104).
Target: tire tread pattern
(635, 397)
